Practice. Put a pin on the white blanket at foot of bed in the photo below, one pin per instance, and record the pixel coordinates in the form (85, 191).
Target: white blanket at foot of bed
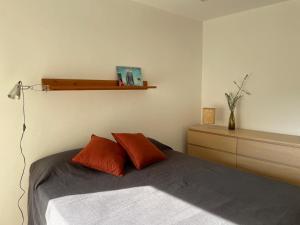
(133, 206)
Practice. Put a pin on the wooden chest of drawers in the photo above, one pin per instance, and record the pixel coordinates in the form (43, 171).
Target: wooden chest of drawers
(213, 147)
(268, 154)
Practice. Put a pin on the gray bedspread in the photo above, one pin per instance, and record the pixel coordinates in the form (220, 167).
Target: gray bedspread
(232, 195)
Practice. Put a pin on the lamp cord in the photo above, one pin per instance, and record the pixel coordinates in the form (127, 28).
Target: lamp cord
(23, 156)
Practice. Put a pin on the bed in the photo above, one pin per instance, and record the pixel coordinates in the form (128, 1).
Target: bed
(181, 190)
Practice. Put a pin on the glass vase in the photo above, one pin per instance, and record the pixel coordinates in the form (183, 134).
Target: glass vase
(231, 124)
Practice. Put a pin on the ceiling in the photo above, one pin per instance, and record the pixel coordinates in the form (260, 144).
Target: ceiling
(206, 9)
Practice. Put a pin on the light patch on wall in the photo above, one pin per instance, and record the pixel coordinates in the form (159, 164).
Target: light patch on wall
(264, 43)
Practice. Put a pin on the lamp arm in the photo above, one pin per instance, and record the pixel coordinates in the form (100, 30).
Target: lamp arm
(32, 87)
(26, 87)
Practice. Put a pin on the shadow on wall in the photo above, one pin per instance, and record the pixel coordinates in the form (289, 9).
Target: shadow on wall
(220, 114)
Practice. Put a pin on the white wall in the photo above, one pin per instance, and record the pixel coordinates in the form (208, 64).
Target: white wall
(87, 39)
(264, 43)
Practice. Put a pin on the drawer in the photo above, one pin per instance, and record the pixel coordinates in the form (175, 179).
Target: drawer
(212, 155)
(277, 171)
(219, 142)
(286, 155)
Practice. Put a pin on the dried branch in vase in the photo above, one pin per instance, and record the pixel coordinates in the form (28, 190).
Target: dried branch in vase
(233, 98)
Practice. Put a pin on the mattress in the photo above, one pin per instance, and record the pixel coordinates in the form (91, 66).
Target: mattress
(180, 190)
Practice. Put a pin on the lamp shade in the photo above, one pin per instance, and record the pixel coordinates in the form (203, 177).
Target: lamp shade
(208, 115)
(16, 91)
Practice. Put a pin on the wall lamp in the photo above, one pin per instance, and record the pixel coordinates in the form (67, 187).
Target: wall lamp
(16, 92)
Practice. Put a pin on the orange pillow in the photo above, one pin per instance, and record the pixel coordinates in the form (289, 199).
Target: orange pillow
(103, 155)
(140, 150)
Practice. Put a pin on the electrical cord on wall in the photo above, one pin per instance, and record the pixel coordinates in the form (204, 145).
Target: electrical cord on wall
(18, 91)
(23, 156)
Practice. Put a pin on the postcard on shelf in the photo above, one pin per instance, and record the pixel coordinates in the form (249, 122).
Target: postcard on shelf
(129, 76)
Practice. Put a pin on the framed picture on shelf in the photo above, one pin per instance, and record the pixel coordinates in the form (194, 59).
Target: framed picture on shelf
(129, 76)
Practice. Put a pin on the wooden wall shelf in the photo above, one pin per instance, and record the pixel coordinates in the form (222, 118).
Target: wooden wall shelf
(71, 84)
